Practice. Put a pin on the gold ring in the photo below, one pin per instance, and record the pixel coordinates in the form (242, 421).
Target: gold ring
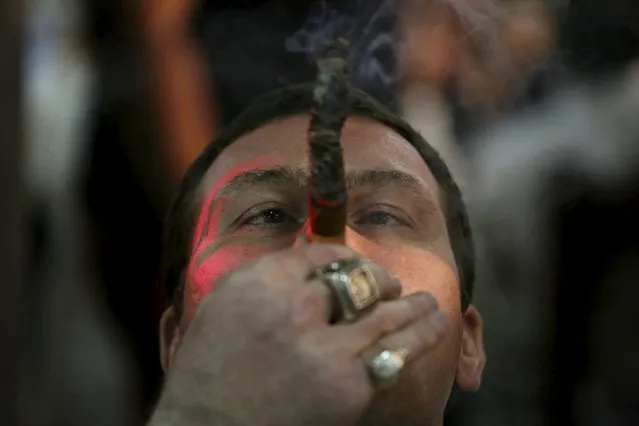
(354, 286)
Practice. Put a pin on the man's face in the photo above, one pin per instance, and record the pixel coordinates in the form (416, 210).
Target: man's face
(255, 200)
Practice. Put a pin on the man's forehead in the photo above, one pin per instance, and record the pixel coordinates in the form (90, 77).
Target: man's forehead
(367, 144)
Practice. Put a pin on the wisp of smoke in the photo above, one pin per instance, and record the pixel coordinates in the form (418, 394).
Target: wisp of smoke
(370, 27)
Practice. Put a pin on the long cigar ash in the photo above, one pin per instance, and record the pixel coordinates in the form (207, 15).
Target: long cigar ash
(331, 106)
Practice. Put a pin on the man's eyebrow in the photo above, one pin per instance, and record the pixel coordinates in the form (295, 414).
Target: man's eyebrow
(394, 180)
(275, 177)
(383, 177)
(289, 176)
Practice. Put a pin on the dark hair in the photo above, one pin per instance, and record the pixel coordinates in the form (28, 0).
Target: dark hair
(295, 100)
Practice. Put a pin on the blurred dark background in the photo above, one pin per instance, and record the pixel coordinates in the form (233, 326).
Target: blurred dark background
(123, 186)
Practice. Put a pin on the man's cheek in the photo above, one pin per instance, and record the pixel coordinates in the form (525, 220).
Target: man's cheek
(418, 268)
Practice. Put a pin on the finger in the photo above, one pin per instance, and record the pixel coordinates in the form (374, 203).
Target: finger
(388, 284)
(289, 271)
(290, 268)
(284, 275)
(401, 348)
(388, 318)
(313, 302)
(418, 338)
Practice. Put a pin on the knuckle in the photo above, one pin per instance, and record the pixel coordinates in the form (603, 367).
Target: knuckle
(421, 303)
(307, 303)
(425, 334)
(394, 287)
(387, 320)
(332, 369)
(430, 331)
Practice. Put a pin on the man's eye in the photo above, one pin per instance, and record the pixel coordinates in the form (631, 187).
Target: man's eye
(378, 218)
(271, 216)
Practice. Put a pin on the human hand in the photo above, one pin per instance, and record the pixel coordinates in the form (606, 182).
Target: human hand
(261, 349)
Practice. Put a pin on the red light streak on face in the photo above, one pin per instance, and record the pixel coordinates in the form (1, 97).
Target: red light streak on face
(204, 270)
(205, 274)
(207, 218)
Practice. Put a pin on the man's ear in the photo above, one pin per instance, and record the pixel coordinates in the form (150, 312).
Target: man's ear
(170, 336)
(473, 357)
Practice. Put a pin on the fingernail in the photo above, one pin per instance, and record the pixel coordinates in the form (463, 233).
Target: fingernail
(393, 276)
(395, 283)
(439, 321)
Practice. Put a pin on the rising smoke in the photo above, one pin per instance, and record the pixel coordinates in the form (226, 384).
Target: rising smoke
(370, 26)
(252, 51)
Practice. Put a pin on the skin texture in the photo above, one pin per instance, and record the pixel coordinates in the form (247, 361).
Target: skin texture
(398, 225)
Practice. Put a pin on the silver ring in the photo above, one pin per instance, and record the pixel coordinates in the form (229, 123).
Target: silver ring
(385, 367)
(353, 285)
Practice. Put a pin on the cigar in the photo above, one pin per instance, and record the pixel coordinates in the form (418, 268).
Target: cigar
(331, 105)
